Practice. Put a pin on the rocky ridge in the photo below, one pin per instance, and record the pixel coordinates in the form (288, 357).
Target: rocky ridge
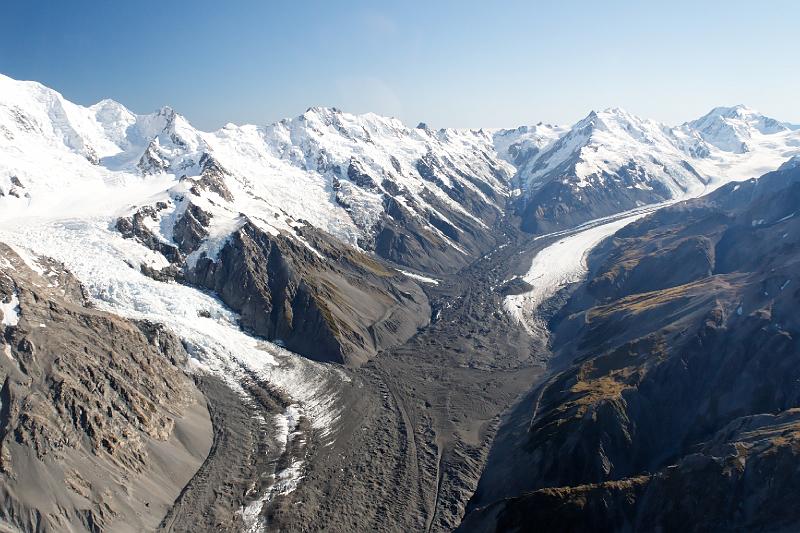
(674, 399)
(100, 426)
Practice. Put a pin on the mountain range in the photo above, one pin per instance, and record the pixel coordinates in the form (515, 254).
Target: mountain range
(355, 176)
(329, 319)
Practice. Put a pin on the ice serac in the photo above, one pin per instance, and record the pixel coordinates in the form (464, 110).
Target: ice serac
(101, 429)
(677, 376)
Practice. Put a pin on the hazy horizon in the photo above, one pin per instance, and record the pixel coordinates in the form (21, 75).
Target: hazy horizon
(459, 65)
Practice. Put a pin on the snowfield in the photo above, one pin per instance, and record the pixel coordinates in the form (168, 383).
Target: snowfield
(423, 279)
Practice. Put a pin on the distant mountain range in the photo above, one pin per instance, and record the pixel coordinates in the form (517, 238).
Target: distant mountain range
(419, 197)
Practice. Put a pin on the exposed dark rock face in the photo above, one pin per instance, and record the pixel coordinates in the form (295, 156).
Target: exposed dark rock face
(92, 406)
(340, 305)
(212, 178)
(677, 406)
(356, 174)
(151, 161)
(407, 240)
(743, 479)
(190, 229)
(560, 204)
(135, 227)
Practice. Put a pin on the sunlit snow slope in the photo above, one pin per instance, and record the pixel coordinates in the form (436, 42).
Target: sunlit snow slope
(334, 170)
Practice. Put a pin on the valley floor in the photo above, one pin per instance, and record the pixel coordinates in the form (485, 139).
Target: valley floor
(416, 437)
(403, 439)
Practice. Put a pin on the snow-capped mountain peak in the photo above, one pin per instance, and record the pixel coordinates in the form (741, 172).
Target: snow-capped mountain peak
(620, 123)
(735, 129)
(616, 143)
(349, 175)
(612, 159)
(354, 176)
(748, 115)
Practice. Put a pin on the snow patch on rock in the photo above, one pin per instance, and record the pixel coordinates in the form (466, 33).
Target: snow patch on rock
(10, 312)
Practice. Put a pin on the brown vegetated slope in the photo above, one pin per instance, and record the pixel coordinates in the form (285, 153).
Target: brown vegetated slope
(676, 403)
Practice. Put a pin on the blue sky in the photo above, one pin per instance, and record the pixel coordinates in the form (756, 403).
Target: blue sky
(459, 64)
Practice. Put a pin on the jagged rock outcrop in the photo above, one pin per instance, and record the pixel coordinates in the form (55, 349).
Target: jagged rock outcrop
(152, 162)
(212, 178)
(100, 426)
(138, 226)
(191, 228)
